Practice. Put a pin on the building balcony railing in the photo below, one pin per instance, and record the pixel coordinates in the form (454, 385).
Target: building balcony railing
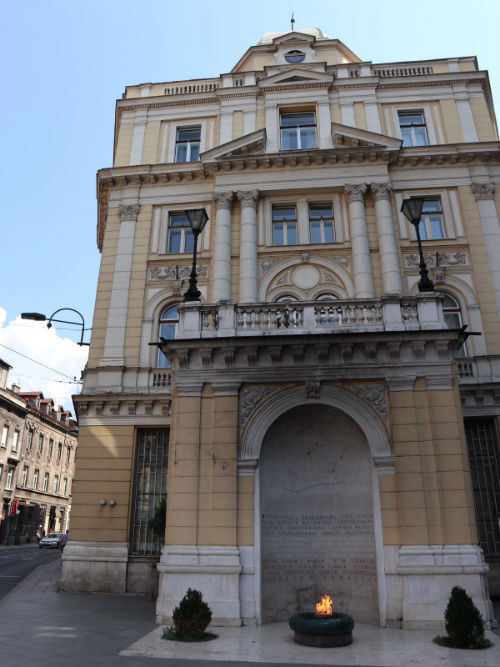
(227, 319)
(477, 370)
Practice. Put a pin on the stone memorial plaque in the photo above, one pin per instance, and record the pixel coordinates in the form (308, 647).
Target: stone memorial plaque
(317, 533)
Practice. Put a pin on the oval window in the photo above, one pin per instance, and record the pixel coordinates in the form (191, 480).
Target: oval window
(294, 56)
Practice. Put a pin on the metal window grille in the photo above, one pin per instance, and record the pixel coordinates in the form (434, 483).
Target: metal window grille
(484, 461)
(150, 486)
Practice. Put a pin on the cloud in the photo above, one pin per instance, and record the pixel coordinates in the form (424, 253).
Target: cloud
(34, 340)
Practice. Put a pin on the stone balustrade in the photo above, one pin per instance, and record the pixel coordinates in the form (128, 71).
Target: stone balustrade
(228, 318)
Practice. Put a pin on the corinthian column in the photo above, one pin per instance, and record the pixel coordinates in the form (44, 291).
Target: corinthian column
(388, 247)
(248, 246)
(491, 230)
(221, 285)
(361, 260)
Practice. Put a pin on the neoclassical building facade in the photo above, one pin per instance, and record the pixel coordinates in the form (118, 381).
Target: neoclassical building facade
(316, 423)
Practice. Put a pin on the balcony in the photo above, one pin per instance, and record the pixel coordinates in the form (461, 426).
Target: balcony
(230, 319)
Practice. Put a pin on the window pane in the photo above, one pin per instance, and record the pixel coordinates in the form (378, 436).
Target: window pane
(436, 227)
(278, 234)
(315, 232)
(423, 230)
(307, 137)
(420, 136)
(317, 212)
(297, 119)
(179, 220)
(284, 213)
(406, 136)
(411, 119)
(170, 314)
(188, 241)
(328, 232)
(174, 240)
(452, 320)
(195, 152)
(181, 153)
(431, 205)
(291, 234)
(289, 139)
(190, 134)
(167, 331)
(294, 56)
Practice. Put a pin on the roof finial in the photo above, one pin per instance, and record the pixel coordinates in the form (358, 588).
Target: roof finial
(292, 21)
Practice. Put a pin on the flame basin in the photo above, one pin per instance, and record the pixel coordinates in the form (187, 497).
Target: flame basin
(326, 632)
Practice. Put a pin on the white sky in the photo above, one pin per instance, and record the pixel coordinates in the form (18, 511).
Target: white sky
(64, 63)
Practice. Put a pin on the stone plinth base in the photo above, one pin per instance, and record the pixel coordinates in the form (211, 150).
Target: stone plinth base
(97, 567)
(420, 579)
(215, 571)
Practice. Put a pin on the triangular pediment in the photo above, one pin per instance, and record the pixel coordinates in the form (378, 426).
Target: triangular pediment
(295, 76)
(252, 143)
(295, 37)
(345, 136)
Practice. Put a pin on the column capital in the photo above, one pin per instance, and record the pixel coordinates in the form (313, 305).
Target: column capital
(248, 198)
(355, 192)
(381, 191)
(223, 200)
(129, 212)
(483, 190)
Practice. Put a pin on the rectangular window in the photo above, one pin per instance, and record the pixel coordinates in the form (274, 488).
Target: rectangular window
(59, 452)
(413, 130)
(8, 481)
(284, 225)
(150, 489)
(24, 478)
(1, 470)
(298, 130)
(55, 484)
(45, 482)
(180, 235)
(51, 448)
(321, 224)
(431, 223)
(5, 435)
(484, 458)
(15, 441)
(40, 444)
(64, 486)
(36, 475)
(68, 455)
(29, 441)
(187, 144)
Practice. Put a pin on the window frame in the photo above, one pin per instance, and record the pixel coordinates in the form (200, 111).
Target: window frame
(160, 357)
(456, 310)
(41, 439)
(5, 436)
(188, 142)
(183, 229)
(425, 226)
(321, 221)
(36, 475)
(285, 223)
(15, 440)
(434, 130)
(46, 482)
(50, 449)
(285, 112)
(9, 479)
(59, 452)
(24, 476)
(55, 484)
(413, 137)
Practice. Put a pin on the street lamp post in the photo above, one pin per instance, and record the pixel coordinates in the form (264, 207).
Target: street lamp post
(197, 219)
(39, 317)
(412, 210)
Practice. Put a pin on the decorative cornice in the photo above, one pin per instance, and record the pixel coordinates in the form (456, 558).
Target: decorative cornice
(355, 192)
(381, 191)
(483, 190)
(223, 200)
(129, 213)
(248, 198)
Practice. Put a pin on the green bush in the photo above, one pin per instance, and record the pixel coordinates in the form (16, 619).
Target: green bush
(463, 622)
(191, 616)
(159, 518)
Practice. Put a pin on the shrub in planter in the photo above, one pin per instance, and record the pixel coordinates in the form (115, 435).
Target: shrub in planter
(191, 616)
(463, 623)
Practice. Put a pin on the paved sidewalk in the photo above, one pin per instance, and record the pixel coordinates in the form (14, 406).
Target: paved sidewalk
(40, 627)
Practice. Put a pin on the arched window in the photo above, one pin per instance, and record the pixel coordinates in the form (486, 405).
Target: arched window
(167, 329)
(453, 319)
(286, 298)
(325, 297)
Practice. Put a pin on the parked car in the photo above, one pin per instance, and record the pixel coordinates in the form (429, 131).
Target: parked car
(51, 541)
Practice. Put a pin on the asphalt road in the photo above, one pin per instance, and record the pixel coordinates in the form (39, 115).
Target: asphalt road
(17, 562)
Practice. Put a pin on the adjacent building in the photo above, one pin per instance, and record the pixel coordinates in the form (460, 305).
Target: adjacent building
(316, 422)
(37, 463)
